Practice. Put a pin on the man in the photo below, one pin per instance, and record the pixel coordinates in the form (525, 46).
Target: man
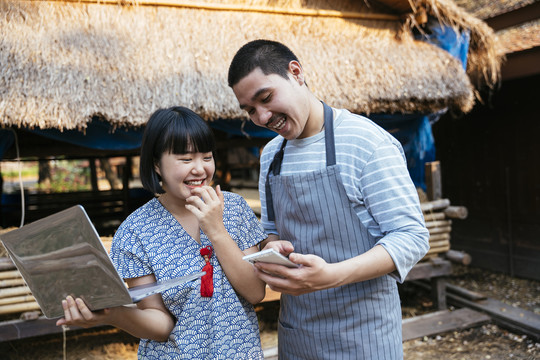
(335, 190)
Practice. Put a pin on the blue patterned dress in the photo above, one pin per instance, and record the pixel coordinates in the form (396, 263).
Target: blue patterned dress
(225, 326)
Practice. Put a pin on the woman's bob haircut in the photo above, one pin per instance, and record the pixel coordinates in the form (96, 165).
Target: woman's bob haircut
(176, 130)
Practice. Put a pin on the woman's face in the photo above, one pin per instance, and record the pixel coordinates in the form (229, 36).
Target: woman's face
(180, 173)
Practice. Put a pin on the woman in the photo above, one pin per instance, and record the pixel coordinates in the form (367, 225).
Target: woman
(187, 228)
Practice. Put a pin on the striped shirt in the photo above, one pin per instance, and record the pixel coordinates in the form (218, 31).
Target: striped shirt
(374, 172)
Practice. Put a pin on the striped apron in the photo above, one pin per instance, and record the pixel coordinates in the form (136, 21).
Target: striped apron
(355, 321)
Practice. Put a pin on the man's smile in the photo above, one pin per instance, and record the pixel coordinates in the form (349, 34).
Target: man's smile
(278, 123)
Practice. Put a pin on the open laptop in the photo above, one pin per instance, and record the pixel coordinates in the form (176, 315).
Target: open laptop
(62, 255)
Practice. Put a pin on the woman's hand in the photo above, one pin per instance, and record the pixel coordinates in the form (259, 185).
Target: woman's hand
(207, 205)
(283, 247)
(77, 313)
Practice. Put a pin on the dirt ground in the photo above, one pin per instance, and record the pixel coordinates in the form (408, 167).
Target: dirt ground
(484, 342)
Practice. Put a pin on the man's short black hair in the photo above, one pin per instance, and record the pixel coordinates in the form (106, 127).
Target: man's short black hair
(176, 130)
(270, 56)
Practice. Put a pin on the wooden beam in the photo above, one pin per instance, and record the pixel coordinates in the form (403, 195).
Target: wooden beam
(515, 17)
(248, 8)
(521, 64)
(513, 318)
(20, 329)
(442, 321)
(429, 269)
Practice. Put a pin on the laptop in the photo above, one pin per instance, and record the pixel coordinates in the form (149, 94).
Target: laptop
(62, 254)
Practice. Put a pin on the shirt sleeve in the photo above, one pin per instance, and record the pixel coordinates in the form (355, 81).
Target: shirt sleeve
(392, 200)
(127, 254)
(241, 222)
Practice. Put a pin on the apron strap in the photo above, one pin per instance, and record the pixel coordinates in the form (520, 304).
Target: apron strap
(275, 165)
(329, 135)
(275, 169)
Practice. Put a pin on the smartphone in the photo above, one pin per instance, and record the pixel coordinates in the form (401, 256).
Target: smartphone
(270, 256)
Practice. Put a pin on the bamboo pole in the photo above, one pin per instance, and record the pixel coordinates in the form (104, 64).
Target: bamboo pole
(459, 257)
(435, 205)
(19, 290)
(11, 282)
(439, 237)
(438, 230)
(11, 274)
(456, 212)
(439, 223)
(15, 308)
(17, 299)
(246, 8)
(434, 216)
(439, 243)
(6, 264)
(438, 249)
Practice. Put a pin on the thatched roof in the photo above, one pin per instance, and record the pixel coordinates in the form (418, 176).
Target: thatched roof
(517, 37)
(63, 63)
(484, 9)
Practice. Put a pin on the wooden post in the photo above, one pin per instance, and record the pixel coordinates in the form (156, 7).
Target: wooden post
(93, 174)
(433, 180)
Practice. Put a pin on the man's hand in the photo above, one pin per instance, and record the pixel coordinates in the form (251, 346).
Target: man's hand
(314, 274)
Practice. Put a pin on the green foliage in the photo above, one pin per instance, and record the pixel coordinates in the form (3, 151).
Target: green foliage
(67, 176)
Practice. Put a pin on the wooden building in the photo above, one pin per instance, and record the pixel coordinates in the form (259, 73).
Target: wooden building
(490, 157)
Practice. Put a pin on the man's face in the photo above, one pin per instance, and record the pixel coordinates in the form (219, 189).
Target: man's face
(274, 102)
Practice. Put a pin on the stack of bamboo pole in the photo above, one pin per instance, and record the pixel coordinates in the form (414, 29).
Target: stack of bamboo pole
(15, 296)
(438, 215)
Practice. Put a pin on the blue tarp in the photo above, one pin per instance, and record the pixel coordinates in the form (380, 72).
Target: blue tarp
(99, 135)
(414, 134)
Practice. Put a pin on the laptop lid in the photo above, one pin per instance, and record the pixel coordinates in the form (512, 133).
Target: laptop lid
(62, 255)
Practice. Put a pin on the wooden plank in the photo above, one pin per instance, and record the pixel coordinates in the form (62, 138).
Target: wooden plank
(467, 294)
(513, 318)
(442, 321)
(20, 329)
(429, 269)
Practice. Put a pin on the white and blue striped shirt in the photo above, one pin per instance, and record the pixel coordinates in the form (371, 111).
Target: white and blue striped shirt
(374, 172)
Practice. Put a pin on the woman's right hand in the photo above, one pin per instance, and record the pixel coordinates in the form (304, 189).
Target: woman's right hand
(77, 313)
(283, 247)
